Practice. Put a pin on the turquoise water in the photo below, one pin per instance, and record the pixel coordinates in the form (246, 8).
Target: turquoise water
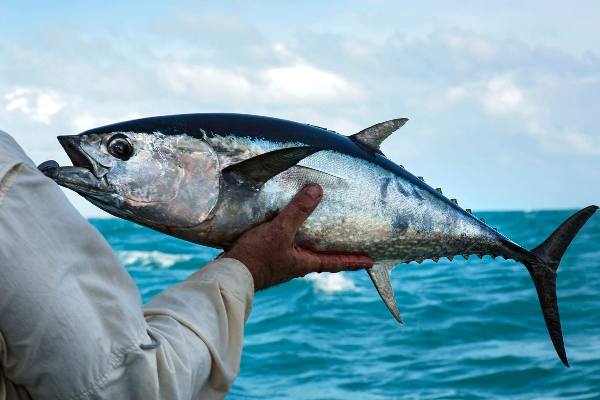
(472, 329)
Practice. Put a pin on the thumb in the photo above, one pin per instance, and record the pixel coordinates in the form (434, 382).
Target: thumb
(299, 209)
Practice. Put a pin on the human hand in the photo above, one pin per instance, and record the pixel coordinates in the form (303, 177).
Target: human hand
(273, 257)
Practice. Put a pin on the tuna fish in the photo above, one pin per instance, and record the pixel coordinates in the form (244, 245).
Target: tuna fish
(208, 178)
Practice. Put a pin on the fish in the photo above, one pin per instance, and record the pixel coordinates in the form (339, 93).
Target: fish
(208, 178)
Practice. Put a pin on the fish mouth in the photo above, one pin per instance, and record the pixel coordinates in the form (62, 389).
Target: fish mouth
(86, 177)
(79, 157)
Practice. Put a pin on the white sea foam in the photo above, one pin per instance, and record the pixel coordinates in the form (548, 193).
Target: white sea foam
(151, 258)
(331, 283)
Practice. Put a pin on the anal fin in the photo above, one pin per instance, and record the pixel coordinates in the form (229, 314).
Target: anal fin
(380, 275)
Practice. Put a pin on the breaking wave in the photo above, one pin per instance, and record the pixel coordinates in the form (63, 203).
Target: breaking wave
(151, 259)
(331, 283)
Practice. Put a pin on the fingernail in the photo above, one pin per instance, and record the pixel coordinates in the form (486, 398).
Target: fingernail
(314, 191)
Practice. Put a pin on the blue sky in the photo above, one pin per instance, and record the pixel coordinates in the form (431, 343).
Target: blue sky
(502, 96)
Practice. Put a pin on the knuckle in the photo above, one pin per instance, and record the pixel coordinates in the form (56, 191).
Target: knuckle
(305, 204)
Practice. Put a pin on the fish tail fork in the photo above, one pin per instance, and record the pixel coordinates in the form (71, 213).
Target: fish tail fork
(542, 268)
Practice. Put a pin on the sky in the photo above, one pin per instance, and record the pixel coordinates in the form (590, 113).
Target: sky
(502, 97)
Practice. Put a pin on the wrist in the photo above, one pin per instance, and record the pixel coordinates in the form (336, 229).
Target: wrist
(255, 269)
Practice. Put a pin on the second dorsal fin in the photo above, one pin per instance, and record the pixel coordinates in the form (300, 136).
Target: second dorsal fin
(371, 138)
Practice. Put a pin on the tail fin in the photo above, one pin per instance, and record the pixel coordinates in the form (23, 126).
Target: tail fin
(543, 271)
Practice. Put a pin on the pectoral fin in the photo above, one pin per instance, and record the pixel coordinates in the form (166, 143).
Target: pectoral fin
(380, 275)
(258, 170)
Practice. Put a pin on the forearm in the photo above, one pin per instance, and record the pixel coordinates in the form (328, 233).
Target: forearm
(200, 323)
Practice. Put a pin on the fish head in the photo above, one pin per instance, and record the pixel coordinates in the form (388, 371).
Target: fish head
(157, 180)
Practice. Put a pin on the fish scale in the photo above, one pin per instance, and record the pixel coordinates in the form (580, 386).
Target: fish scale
(208, 178)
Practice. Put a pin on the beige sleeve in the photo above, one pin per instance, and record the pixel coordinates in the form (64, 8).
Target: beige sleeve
(200, 326)
(72, 325)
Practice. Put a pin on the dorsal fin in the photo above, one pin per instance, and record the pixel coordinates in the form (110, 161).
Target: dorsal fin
(371, 138)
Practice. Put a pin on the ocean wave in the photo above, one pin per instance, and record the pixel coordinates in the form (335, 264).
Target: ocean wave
(331, 283)
(153, 259)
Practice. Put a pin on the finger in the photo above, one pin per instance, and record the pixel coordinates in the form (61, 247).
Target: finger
(343, 262)
(298, 210)
(320, 262)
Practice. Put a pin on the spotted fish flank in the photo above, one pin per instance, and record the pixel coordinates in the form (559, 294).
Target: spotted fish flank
(384, 183)
(211, 177)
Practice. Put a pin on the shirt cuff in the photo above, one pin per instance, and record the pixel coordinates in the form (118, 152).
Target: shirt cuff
(233, 275)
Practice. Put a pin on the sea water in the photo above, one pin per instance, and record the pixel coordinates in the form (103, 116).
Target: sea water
(472, 329)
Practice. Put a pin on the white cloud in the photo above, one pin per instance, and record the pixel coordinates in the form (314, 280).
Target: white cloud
(206, 82)
(582, 143)
(35, 103)
(358, 49)
(305, 83)
(452, 40)
(505, 161)
(502, 96)
(283, 51)
(296, 84)
(443, 100)
(477, 47)
(498, 95)
(83, 120)
(16, 103)
(534, 127)
(456, 94)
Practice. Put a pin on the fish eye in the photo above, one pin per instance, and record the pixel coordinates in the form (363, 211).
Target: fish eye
(120, 147)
